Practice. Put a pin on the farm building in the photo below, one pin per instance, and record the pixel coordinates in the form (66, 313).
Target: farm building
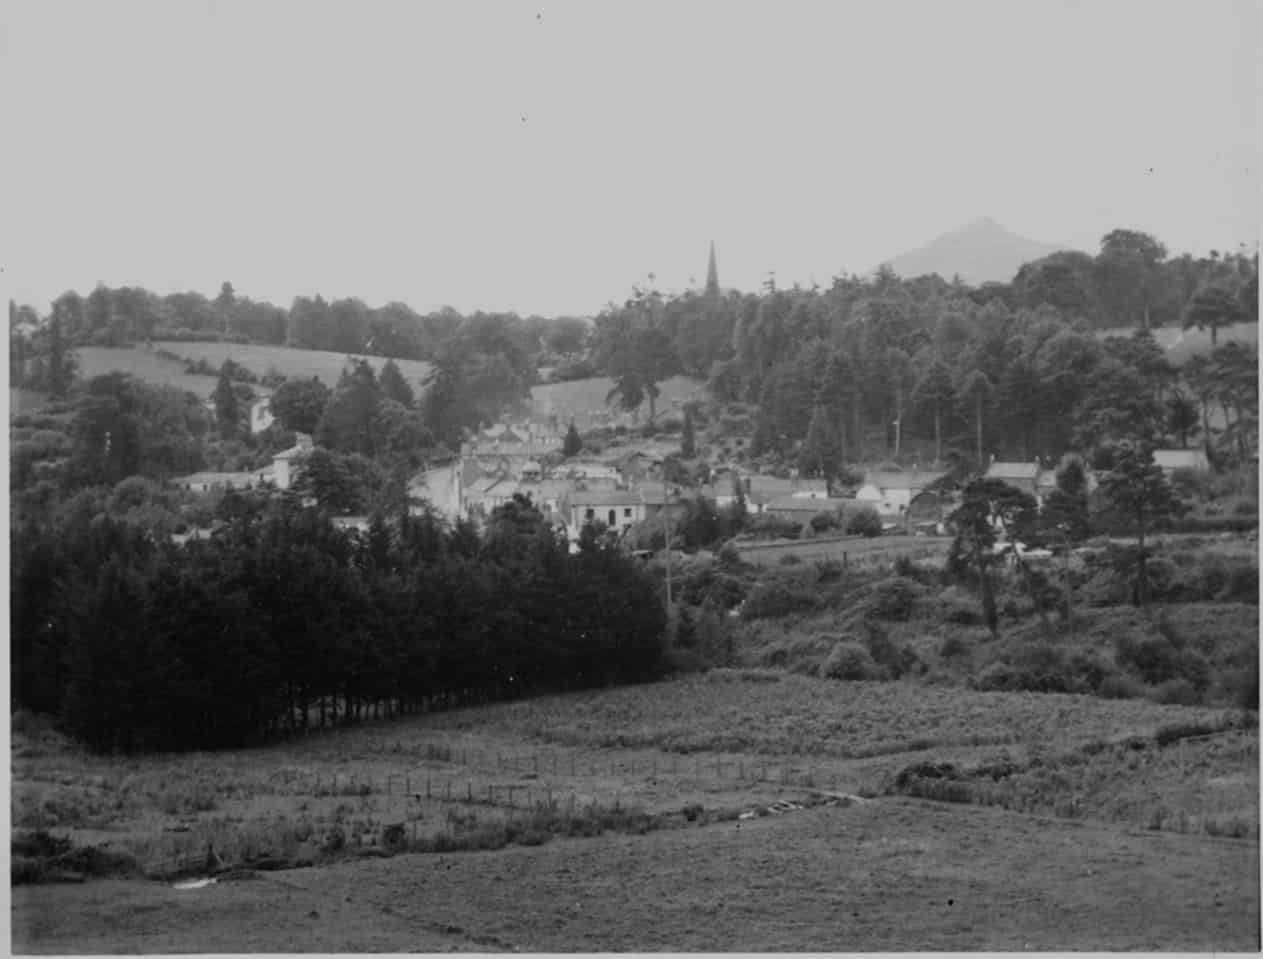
(930, 507)
(207, 481)
(891, 493)
(287, 463)
(1023, 476)
(617, 509)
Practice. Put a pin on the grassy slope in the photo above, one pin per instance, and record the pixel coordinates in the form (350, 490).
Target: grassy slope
(140, 362)
(296, 364)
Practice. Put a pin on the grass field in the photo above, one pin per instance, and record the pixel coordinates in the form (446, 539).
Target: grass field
(894, 874)
(295, 364)
(142, 363)
(878, 874)
(578, 398)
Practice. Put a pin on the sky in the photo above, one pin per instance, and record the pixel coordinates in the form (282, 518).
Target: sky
(545, 157)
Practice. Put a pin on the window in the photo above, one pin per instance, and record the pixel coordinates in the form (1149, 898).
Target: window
(613, 517)
(589, 514)
(627, 511)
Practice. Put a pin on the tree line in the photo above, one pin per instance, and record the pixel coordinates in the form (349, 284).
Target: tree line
(282, 622)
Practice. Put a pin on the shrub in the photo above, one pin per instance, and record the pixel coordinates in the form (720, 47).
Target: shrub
(866, 522)
(954, 646)
(892, 598)
(1116, 686)
(729, 556)
(849, 661)
(894, 660)
(771, 599)
(1177, 692)
(823, 522)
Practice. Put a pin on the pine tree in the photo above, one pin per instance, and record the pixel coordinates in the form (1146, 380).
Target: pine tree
(394, 386)
(712, 275)
(227, 411)
(688, 441)
(573, 442)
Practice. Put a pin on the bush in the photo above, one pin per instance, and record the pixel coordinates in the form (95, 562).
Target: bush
(954, 646)
(1177, 692)
(892, 598)
(1116, 686)
(866, 522)
(823, 522)
(849, 660)
(894, 660)
(772, 599)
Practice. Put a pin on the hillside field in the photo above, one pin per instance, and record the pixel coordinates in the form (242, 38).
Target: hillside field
(895, 873)
(143, 364)
(293, 363)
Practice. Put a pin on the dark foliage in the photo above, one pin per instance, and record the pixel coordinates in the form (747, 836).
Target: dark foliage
(280, 621)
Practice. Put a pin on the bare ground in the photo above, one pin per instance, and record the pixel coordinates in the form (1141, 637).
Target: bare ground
(888, 874)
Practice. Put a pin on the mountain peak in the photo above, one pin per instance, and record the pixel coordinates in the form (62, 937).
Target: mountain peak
(981, 251)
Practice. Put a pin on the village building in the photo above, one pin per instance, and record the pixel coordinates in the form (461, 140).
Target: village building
(1023, 476)
(890, 493)
(287, 464)
(209, 481)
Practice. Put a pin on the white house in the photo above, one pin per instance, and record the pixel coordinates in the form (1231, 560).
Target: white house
(441, 488)
(287, 463)
(891, 494)
(206, 481)
(261, 415)
(618, 509)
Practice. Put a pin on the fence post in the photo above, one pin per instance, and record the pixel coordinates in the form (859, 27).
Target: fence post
(536, 764)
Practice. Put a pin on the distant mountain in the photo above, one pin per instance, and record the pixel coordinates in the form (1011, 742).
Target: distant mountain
(982, 252)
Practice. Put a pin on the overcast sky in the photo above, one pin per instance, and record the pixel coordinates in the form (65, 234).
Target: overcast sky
(546, 156)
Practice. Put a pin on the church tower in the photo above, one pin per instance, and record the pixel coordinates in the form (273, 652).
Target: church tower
(712, 274)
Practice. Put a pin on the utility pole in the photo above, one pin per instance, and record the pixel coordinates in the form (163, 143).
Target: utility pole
(666, 525)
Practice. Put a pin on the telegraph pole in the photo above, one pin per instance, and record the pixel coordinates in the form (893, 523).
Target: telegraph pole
(666, 525)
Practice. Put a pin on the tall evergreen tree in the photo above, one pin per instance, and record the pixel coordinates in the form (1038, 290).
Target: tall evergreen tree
(227, 410)
(688, 442)
(573, 442)
(712, 275)
(394, 386)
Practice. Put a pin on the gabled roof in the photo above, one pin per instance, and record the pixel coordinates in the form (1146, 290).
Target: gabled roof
(912, 480)
(1017, 471)
(618, 497)
(803, 504)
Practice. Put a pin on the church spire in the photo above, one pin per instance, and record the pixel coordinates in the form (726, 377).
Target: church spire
(712, 274)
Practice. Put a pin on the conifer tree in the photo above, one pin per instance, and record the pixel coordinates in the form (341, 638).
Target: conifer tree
(688, 441)
(227, 411)
(573, 442)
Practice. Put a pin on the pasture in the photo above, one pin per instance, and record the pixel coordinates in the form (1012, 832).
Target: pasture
(144, 364)
(293, 363)
(592, 785)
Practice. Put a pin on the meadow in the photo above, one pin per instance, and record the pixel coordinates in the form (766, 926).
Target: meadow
(498, 827)
(144, 364)
(293, 363)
